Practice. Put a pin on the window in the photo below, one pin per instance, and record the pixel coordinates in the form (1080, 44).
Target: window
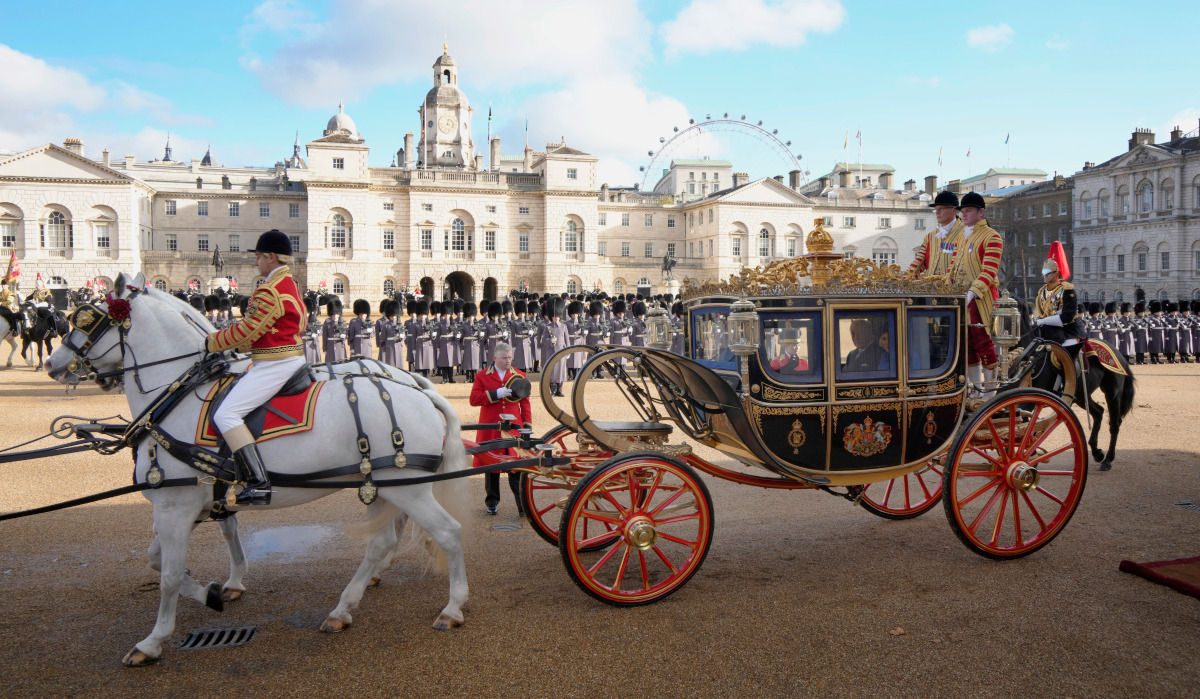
(55, 234)
(710, 247)
(199, 183)
(790, 347)
(1103, 207)
(102, 238)
(458, 235)
(160, 284)
(391, 206)
(736, 246)
(426, 238)
(339, 163)
(523, 242)
(572, 287)
(8, 235)
(1032, 211)
(884, 258)
(1168, 197)
(692, 219)
(337, 232)
(201, 208)
(670, 222)
(691, 175)
(339, 287)
(295, 240)
(649, 220)
(293, 211)
(1046, 210)
(602, 248)
(202, 242)
(848, 222)
(172, 242)
(618, 287)
(649, 251)
(691, 187)
(426, 207)
(671, 249)
(625, 249)
(1146, 197)
(1016, 213)
(691, 249)
(602, 219)
(1197, 262)
(710, 338)
(624, 219)
(264, 210)
(710, 215)
(1120, 263)
(1123, 200)
(571, 238)
(919, 224)
(791, 247)
(764, 243)
(1104, 264)
(235, 243)
(871, 352)
(885, 223)
(1141, 260)
(170, 207)
(704, 175)
(1062, 208)
(489, 241)
(1166, 260)
(389, 239)
(931, 342)
(225, 183)
(524, 210)
(572, 173)
(1087, 265)
(235, 208)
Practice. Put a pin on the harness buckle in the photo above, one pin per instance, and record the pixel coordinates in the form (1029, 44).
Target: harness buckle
(364, 445)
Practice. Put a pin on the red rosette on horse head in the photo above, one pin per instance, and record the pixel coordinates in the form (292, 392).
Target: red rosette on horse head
(1057, 261)
(118, 309)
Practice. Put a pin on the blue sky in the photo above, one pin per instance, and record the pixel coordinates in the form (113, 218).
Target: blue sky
(1068, 81)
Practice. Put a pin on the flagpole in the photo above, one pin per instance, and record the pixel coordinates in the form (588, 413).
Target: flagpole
(424, 164)
(860, 169)
(491, 165)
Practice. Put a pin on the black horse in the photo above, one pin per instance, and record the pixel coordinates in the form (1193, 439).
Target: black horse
(1118, 389)
(42, 324)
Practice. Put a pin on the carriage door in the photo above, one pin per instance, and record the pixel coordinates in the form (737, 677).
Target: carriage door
(868, 427)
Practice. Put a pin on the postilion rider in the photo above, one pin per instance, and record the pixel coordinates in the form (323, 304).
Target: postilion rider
(492, 392)
(1057, 306)
(273, 327)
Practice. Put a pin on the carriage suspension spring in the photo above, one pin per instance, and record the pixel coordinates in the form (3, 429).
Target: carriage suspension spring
(854, 493)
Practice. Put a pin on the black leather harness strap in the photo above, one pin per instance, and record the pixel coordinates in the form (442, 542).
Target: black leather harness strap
(397, 433)
(367, 491)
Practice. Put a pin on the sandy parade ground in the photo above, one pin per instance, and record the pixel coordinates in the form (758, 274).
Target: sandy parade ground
(801, 594)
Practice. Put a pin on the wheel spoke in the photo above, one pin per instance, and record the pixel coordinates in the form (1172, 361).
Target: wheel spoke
(1025, 437)
(924, 488)
(598, 539)
(987, 508)
(645, 573)
(1048, 494)
(1012, 428)
(887, 493)
(677, 540)
(601, 516)
(1042, 437)
(604, 559)
(996, 439)
(907, 498)
(616, 586)
(666, 561)
(654, 487)
(679, 518)
(999, 516)
(981, 491)
(1036, 515)
(1049, 455)
(667, 502)
(1016, 510)
(1055, 473)
(984, 454)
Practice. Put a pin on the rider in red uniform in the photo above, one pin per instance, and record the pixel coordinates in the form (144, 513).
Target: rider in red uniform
(273, 328)
(493, 394)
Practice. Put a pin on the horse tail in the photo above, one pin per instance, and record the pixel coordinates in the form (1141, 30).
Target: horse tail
(1127, 388)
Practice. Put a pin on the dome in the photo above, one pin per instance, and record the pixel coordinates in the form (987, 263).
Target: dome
(446, 96)
(444, 60)
(341, 123)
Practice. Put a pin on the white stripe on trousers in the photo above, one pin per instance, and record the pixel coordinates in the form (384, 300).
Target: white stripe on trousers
(260, 384)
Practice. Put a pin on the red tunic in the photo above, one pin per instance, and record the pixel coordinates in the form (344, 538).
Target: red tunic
(274, 323)
(483, 395)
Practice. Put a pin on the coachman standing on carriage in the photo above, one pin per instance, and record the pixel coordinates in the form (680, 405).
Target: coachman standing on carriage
(273, 326)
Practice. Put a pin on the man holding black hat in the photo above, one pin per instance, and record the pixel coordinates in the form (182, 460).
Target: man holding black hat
(498, 391)
(273, 327)
(937, 250)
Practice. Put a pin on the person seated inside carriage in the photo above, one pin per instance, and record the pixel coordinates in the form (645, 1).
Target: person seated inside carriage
(789, 360)
(868, 354)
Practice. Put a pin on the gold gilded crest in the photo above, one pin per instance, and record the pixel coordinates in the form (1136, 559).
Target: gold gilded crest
(867, 438)
(796, 437)
(367, 492)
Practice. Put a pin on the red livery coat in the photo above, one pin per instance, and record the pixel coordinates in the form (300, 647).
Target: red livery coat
(483, 395)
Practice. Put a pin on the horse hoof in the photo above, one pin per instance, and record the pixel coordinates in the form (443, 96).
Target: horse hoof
(374, 582)
(1105, 466)
(136, 658)
(213, 599)
(334, 625)
(445, 623)
(229, 595)
(1097, 455)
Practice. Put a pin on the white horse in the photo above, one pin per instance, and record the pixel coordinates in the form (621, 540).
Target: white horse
(163, 329)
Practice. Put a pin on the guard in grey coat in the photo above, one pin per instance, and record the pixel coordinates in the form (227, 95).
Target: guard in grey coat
(361, 332)
(333, 333)
(552, 337)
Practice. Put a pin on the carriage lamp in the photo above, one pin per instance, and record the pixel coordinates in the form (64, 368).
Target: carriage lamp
(1006, 323)
(743, 328)
(658, 327)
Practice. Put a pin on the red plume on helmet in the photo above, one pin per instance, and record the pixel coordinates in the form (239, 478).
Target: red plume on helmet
(1059, 257)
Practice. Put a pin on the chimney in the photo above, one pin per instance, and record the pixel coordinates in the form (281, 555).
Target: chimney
(885, 180)
(794, 179)
(494, 154)
(740, 178)
(1176, 133)
(844, 179)
(1059, 180)
(910, 186)
(130, 159)
(1139, 137)
(931, 185)
(1088, 165)
(104, 157)
(824, 181)
(408, 160)
(621, 197)
(954, 186)
(528, 159)
(478, 162)
(778, 178)
(604, 192)
(74, 145)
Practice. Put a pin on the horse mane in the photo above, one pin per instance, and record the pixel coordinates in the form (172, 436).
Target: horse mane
(175, 304)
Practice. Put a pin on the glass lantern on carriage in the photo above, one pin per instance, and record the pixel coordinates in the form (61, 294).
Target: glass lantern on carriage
(658, 329)
(1006, 328)
(743, 329)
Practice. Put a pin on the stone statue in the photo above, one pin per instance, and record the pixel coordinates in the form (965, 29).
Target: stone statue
(217, 262)
(668, 265)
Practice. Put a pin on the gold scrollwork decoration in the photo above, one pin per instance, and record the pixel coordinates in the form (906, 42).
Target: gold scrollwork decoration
(932, 403)
(772, 393)
(757, 411)
(866, 407)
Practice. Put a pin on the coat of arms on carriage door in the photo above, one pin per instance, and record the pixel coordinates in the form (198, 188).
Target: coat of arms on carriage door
(796, 437)
(867, 438)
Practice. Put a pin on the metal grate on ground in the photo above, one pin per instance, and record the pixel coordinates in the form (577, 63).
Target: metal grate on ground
(207, 639)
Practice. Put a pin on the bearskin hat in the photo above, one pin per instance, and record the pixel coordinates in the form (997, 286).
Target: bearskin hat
(1155, 306)
(1196, 306)
(422, 307)
(618, 306)
(181, 296)
(506, 306)
(1110, 307)
(520, 306)
(595, 308)
(668, 297)
(1183, 305)
(223, 304)
(639, 308)
(1094, 308)
(574, 308)
(311, 304)
(1125, 307)
(535, 307)
(1170, 307)
(361, 307)
(410, 307)
(1139, 307)
(212, 303)
(458, 305)
(382, 305)
(677, 308)
(557, 308)
(495, 309)
(197, 302)
(469, 309)
(532, 296)
(334, 307)
(435, 308)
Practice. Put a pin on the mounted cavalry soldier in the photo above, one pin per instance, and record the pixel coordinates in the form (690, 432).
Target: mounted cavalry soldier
(273, 328)
(1057, 307)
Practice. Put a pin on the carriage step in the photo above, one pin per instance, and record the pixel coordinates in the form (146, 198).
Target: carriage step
(207, 639)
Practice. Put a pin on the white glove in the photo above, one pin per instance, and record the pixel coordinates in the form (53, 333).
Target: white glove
(503, 392)
(970, 297)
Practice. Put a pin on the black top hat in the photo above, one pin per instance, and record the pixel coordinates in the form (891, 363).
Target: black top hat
(273, 241)
(789, 335)
(945, 198)
(974, 199)
(521, 388)
(362, 307)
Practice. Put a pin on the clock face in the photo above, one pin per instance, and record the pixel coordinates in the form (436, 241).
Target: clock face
(446, 124)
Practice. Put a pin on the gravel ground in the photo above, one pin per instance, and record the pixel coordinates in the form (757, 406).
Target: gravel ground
(802, 594)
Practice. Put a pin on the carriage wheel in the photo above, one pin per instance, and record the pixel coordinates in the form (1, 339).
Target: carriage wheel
(544, 497)
(908, 496)
(1015, 474)
(661, 518)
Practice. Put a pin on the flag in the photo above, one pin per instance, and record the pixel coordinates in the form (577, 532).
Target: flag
(14, 268)
(489, 111)
(858, 135)
(939, 155)
(1006, 138)
(968, 151)
(847, 141)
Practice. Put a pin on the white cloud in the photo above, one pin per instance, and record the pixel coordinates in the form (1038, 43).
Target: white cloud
(1057, 43)
(990, 38)
(364, 44)
(706, 26)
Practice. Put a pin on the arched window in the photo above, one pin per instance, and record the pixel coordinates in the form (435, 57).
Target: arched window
(1085, 297)
(1119, 296)
(764, 243)
(337, 232)
(1122, 200)
(571, 238)
(458, 235)
(1162, 295)
(1101, 299)
(1145, 198)
(618, 287)
(57, 232)
(339, 287)
(643, 282)
(389, 287)
(160, 284)
(572, 287)
(58, 280)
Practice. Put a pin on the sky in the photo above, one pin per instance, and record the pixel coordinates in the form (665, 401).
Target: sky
(1064, 83)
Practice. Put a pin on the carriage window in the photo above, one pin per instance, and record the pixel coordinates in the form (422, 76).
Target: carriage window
(790, 347)
(710, 338)
(931, 342)
(866, 350)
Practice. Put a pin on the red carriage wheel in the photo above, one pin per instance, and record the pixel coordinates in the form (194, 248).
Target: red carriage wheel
(659, 518)
(1015, 474)
(908, 496)
(544, 497)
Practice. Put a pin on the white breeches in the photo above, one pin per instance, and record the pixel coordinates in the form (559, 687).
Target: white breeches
(260, 384)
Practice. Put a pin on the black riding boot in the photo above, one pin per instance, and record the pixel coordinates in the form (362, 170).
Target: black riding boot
(257, 487)
(556, 390)
(450, 375)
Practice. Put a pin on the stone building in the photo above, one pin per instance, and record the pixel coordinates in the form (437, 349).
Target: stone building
(1030, 218)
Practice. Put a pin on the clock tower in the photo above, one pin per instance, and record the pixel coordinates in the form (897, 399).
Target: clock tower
(447, 119)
